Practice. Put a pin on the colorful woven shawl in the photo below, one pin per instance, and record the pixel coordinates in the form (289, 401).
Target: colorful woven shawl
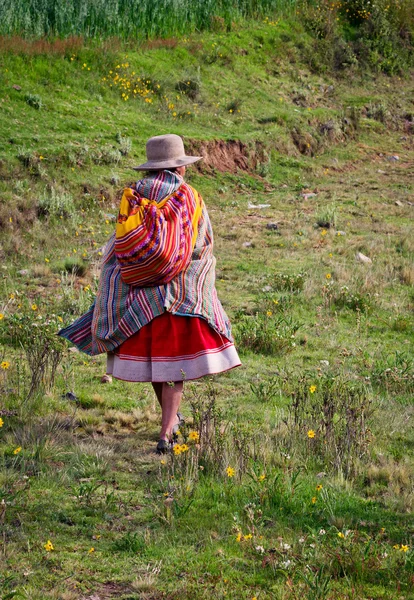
(155, 239)
(120, 310)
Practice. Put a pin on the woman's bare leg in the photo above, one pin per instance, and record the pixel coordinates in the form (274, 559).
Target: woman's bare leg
(158, 391)
(171, 399)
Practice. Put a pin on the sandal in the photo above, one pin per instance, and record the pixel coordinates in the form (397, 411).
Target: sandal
(163, 447)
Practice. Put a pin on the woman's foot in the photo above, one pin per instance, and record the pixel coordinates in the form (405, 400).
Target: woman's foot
(163, 447)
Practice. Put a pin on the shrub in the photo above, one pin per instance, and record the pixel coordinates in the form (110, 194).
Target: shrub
(358, 301)
(332, 412)
(266, 333)
(34, 101)
(395, 373)
(292, 282)
(35, 335)
(56, 203)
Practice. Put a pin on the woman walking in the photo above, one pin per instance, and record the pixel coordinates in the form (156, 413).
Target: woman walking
(157, 314)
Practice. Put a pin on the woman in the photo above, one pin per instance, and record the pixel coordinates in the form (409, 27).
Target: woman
(156, 313)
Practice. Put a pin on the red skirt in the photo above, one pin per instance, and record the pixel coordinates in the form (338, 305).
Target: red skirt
(172, 348)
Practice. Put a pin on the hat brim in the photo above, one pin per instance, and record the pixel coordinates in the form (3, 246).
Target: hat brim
(158, 165)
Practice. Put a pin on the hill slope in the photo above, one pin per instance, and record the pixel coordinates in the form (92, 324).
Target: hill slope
(302, 173)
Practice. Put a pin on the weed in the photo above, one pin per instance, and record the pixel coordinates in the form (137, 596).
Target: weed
(266, 390)
(131, 543)
(125, 144)
(34, 101)
(266, 333)
(354, 300)
(55, 203)
(335, 412)
(327, 216)
(394, 372)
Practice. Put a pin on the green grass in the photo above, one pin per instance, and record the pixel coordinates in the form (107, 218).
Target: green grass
(131, 18)
(86, 475)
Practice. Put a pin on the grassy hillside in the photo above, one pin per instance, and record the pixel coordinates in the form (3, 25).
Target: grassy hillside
(300, 484)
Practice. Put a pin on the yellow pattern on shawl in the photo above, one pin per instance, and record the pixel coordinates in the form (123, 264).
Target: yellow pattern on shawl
(135, 220)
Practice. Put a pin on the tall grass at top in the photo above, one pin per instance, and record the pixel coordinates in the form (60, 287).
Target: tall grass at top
(128, 18)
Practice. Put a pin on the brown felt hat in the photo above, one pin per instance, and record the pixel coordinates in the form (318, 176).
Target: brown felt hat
(166, 152)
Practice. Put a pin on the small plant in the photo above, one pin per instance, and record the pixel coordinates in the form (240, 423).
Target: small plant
(43, 350)
(131, 543)
(265, 391)
(266, 333)
(357, 301)
(34, 101)
(291, 282)
(189, 87)
(55, 203)
(125, 144)
(333, 413)
(326, 217)
(395, 373)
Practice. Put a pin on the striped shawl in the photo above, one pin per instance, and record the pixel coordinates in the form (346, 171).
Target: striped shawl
(120, 310)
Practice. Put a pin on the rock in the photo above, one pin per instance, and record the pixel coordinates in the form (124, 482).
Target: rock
(309, 195)
(325, 363)
(250, 205)
(23, 272)
(393, 158)
(380, 171)
(272, 226)
(17, 87)
(362, 258)
(73, 349)
(267, 288)
(247, 244)
(398, 203)
(106, 379)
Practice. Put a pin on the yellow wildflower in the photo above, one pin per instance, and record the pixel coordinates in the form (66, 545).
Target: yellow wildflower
(194, 436)
(341, 535)
(48, 546)
(328, 276)
(404, 548)
(1, 422)
(314, 499)
(239, 537)
(262, 477)
(230, 472)
(319, 487)
(311, 434)
(5, 365)
(269, 313)
(34, 306)
(1, 316)
(184, 448)
(17, 450)
(312, 389)
(248, 536)
(91, 550)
